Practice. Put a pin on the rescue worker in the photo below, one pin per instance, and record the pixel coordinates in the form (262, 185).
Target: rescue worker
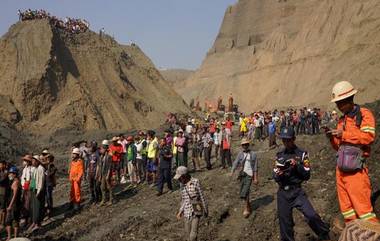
(76, 173)
(291, 169)
(103, 172)
(352, 139)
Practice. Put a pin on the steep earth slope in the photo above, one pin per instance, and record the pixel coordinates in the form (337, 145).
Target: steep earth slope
(280, 53)
(52, 80)
(176, 77)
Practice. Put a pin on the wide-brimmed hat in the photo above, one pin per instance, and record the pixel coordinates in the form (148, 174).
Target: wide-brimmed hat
(45, 152)
(115, 138)
(245, 141)
(37, 158)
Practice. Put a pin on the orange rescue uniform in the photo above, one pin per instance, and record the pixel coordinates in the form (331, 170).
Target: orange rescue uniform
(75, 176)
(354, 188)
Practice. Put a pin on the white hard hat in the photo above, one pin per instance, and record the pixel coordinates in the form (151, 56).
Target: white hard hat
(105, 143)
(342, 90)
(76, 151)
(333, 112)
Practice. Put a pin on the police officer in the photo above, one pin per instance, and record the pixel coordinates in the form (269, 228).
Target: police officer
(292, 168)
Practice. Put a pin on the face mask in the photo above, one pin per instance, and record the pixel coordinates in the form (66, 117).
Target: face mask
(10, 177)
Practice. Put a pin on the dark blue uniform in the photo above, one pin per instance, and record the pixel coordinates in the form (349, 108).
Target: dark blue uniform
(291, 195)
(165, 168)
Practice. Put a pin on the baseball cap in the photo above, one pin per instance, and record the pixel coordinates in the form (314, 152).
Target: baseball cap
(181, 170)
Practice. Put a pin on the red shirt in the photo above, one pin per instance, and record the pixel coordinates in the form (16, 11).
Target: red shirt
(212, 128)
(229, 125)
(116, 151)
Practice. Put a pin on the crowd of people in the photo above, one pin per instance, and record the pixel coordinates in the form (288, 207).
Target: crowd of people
(26, 197)
(70, 25)
(149, 159)
(305, 121)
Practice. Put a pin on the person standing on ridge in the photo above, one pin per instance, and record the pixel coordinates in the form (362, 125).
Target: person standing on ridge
(352, 139)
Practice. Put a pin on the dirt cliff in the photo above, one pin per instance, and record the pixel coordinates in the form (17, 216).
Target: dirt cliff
(176, 77)
(53, 80)
(279, 53)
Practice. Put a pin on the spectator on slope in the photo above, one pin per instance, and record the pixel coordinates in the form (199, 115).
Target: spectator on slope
(207, 144)
(123, 162)
(246, 160)
(4, 183)
(37, 187)
(14, 203)
(225, 147)
(51, 182)
(152, 150)
(104, 173)
(94, 159)
(180, 143)
(131, 160)
(217, 140)
(165, 166)
(116, 151)
(195, 142)
(193, 204)
(26, 192)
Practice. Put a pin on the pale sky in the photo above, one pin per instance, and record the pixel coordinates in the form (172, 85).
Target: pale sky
(173, 33)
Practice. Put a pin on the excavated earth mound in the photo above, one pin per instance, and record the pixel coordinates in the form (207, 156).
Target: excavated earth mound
(51, 80)
(279, 53)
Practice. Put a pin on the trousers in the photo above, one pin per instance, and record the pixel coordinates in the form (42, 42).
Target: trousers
(296, 198)
(191, 228)
(164, 177)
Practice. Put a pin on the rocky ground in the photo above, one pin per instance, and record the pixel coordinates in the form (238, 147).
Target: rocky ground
(140, 215)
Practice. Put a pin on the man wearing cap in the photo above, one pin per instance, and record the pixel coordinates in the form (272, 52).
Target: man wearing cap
(103, 172)
(292, 168)
(193, 204)
(247, 161)
(352, 139)
(76, 173)
(14, 203)
(37, 188)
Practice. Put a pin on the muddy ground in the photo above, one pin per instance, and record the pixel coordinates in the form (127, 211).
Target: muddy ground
(140, 215)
